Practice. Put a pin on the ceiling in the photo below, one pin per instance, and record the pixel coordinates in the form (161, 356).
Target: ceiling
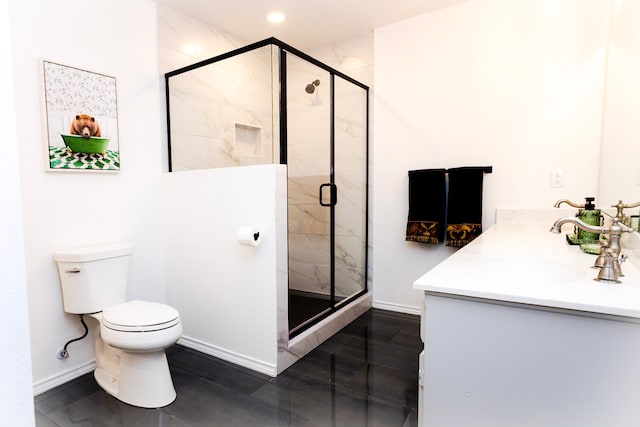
(309, 23)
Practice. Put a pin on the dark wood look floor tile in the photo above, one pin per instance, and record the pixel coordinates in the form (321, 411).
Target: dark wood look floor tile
(101, 409)
(328, 405)
(365, 375)
(66, 394)
(389, 385)
(225, 373)
(207, 403)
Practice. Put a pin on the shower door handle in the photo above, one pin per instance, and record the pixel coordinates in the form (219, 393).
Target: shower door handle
(333, 194)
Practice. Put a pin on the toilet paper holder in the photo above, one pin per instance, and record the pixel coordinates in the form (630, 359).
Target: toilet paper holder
(249, 236)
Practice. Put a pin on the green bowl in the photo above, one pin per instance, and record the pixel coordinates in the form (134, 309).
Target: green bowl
(78, 144)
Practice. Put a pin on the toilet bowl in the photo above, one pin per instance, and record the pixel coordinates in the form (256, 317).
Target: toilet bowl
(131, 336)
(131, 363)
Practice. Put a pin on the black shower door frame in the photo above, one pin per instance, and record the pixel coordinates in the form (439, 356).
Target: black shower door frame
(284, 50)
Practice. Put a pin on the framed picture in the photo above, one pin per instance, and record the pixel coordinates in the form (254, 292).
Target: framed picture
(81, 119)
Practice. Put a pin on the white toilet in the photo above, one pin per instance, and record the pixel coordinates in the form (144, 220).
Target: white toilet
(131, 363)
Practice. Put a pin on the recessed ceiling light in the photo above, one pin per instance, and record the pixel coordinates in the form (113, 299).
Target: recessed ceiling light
(192, 49)
(275, 17)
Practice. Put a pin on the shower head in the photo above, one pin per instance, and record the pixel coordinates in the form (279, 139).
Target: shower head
(311, 87)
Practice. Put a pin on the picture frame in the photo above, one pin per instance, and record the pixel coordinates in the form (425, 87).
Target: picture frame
(80, 119)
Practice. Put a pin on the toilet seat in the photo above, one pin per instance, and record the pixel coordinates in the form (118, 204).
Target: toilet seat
(139, 316)
(140, 326)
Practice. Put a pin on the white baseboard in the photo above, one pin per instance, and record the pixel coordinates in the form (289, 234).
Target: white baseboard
(397, 307)
(62, 378)
(229, 356)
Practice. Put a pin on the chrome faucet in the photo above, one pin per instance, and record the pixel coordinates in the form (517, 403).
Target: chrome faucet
(609, 260)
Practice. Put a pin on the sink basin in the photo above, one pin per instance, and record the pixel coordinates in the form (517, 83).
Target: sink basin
(524, 269)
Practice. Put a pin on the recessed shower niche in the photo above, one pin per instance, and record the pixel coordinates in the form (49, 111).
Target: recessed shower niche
(269, 103)
(247, 140)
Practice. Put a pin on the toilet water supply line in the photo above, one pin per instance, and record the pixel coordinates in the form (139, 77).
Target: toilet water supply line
(64, 354)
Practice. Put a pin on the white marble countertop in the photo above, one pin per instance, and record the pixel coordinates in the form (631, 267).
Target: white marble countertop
(525, 263)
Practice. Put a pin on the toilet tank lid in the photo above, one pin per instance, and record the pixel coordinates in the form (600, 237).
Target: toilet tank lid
(92, 253)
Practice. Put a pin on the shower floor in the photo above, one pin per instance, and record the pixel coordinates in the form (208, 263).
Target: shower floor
(305, 305)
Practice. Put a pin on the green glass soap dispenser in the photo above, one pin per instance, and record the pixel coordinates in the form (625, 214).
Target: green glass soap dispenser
(587, 213)
(592, 216)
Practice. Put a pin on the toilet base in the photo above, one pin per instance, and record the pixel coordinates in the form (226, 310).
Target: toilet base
(143, 380)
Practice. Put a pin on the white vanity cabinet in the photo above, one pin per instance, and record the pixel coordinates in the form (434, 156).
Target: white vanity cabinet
(489, 363)
(522, 351)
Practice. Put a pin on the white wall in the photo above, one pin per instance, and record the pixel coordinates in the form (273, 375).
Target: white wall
(515, 85)
(66, 210)
(16, 408)
(227, 293)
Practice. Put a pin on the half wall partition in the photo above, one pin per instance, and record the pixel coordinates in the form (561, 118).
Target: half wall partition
(271, 103)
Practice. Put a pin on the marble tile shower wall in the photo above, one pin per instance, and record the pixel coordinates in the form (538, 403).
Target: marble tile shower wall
(211, 104)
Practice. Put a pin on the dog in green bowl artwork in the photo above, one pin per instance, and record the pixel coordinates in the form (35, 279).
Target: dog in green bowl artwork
(85, 136)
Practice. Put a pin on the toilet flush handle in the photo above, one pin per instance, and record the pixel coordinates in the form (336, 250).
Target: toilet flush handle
(73, 270)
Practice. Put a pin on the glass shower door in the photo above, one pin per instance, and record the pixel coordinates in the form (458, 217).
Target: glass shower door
(326, 125)
(350, 178)
(310, 191)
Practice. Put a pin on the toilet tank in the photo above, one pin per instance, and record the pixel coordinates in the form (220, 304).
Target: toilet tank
(93, 278)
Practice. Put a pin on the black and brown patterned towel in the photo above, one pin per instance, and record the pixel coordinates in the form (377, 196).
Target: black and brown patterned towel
(427, 203)
(464, 210)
